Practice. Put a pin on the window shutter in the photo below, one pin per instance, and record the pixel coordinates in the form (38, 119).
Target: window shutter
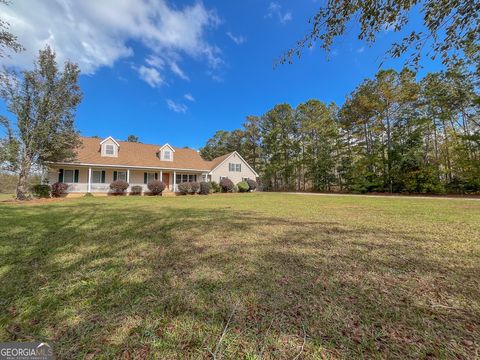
(75, 179)
(60, 175)
(115, 176)
(103, 177)
(156, 176)
(145, 178)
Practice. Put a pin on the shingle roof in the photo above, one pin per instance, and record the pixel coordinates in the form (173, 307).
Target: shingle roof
(139, 155)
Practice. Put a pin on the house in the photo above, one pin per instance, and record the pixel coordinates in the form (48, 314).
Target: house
(99, 162)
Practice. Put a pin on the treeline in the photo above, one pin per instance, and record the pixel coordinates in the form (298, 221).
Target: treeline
(392, 134)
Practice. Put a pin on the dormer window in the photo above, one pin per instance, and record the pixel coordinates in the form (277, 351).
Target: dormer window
(166, 153)
(109, 147)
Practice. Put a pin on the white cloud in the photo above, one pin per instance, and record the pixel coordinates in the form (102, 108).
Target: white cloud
(361, 49)
(177, 71)
(275, 10)
(97, 33)
(155, 61)
(150, 75)
(177, 107)
(236, 39)
(189, 97)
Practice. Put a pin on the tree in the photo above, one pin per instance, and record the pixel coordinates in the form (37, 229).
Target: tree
(133, 138)
(452, 28)
(280, 146)
(222, 142)
(7, 39)
(318, 133)
(44, 101)
(251, 150)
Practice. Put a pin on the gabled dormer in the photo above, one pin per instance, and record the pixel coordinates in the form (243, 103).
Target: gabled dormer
(109, 147)
(165, 153)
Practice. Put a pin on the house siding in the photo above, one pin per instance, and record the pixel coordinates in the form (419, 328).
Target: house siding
(235, 176)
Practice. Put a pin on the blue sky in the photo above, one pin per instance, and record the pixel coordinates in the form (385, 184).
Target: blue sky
(178, 71)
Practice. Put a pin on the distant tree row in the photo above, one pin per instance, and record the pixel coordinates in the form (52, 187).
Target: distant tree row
(392, 134)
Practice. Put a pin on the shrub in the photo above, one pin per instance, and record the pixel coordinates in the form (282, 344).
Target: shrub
(215, 187)
(136, 190)
(227, 185)
(243, 186)
(252, 185)
(41, 191)
(205, 188)
(118, 187)
(156, 187)
(59, 189)
(194, 187)
(184, 188)
(88, 195)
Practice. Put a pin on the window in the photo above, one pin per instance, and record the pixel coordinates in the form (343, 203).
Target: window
(98, 177)
(109, 149)
(120, 175)
(147, 177)
(235, 167)
(68, 176)
(185, 178)
(167, 155)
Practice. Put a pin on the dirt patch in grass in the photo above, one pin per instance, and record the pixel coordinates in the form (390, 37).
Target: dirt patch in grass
(313, 277)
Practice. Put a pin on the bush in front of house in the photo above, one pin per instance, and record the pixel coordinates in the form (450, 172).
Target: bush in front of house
(252, 185)
(227, 185)
(194, 187)
(205, 188)
(156, 187)
(41, 191)
(136, 190)
(215, 187)
(88, 194)
(59, 189)
(118, 187)
(243, 186)
(184, 188)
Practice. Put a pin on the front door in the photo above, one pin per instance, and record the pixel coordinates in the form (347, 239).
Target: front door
(166, 179)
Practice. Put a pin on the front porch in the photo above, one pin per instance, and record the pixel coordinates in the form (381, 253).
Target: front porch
(97, 180)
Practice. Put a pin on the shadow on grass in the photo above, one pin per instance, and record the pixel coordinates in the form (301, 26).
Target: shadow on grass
(161, 282)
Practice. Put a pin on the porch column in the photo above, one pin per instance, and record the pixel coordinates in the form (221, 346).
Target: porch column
(174, 180)
(89, 184)
(128, 176)
(161, 177)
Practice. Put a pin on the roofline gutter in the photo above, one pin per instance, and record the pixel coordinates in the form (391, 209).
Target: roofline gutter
(125, 166)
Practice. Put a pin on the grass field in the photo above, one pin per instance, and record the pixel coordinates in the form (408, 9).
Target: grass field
(6, 196)
(280, 276)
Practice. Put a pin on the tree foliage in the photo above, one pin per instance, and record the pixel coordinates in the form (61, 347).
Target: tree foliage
(392, 134)
(451, 28)
(133, 138)
(7, 39)
(44, 102)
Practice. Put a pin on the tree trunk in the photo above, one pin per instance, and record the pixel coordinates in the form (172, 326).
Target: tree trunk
(22, 184)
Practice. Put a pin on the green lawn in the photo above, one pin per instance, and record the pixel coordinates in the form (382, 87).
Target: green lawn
(307, 276)
(4, 197)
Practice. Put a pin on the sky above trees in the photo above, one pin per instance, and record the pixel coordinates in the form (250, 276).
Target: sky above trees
(178, 71)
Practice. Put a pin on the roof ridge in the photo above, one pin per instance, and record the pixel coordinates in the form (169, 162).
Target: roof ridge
(138, 143)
